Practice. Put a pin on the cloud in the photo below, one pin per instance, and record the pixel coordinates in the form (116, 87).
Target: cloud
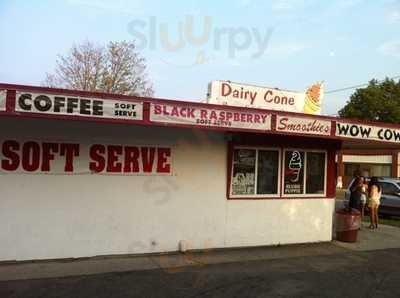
(286, 49)
(394, 16)
(284, 5)
(390, 48)
(347, 3)
(115, 6)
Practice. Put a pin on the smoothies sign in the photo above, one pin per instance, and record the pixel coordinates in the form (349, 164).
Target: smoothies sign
(302, 125)
(228, 93)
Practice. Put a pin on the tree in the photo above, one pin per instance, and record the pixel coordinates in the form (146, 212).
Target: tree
(378, 101)
(115, 68)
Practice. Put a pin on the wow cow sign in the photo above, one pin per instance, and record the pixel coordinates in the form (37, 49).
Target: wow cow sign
(61, 157)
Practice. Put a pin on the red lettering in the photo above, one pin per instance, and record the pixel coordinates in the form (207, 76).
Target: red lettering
(157, 109)
(48, 150)
(175, 112)
(162, 157)
(282, 123)
(12, 163)
(148, 159)
(191, 113)
(213, 115)
(69, 151)
(203, 114)
(31, 156)
(131, 163)
(99, 163)
(113, 166)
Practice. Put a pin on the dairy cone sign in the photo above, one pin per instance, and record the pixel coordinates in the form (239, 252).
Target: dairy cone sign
(243, 95)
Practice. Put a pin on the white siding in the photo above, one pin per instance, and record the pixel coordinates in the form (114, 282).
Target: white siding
(63, 216)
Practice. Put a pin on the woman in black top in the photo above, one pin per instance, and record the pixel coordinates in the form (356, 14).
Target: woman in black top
(355, 195)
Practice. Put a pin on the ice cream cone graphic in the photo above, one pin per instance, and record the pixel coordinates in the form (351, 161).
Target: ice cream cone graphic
(295, 166)
(313, 99)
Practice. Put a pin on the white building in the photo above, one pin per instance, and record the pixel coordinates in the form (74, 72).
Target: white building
(86, 174)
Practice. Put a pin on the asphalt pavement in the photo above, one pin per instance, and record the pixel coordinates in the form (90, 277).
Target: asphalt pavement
(346, 274)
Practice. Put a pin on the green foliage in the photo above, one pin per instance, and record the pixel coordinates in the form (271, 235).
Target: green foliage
(378, 101)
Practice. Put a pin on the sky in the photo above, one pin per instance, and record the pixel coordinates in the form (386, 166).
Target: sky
(289, 44)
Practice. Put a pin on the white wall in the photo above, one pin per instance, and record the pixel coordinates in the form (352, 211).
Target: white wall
(63, 216)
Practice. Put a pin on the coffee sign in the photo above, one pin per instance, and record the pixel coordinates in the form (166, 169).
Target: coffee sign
(301, 125)
(41, 103)
(367, 132)
(3, 94)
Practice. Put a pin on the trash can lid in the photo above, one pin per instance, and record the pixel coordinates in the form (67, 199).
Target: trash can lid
(345, 211)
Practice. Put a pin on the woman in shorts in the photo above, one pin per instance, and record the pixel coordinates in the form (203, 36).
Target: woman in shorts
(374, 200)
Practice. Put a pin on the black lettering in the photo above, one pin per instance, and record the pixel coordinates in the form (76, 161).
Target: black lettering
(42, 103)
(85, 107)
(72, 103)
(22, 102)
(388, 134)
(98, 107)
(354, 130)
(396, 134)
(380, 134)
(365, 131)
(343, 129)
(59, 102)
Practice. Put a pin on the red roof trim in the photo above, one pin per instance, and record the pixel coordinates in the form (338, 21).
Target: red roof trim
(10, 111)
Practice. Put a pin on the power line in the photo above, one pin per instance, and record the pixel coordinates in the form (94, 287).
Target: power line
(355, 86)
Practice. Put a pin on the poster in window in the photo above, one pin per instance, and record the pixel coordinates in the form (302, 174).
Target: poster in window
(267, 173)
(294, 172)
(243, 176)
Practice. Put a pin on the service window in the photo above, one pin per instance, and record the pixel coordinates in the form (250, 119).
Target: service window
(315, 173)
(255, 172)
(304, 173)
